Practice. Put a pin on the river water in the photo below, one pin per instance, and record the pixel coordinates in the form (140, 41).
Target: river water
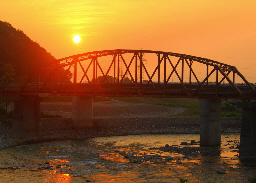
(135, 158)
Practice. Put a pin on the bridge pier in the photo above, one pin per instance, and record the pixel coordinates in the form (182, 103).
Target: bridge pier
(210, 123)
(248, 130)
(26, 117)
(82, 111)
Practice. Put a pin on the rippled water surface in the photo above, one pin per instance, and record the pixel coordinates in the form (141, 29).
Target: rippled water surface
(137, 158)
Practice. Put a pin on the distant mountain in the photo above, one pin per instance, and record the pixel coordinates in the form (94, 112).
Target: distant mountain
(17, 49)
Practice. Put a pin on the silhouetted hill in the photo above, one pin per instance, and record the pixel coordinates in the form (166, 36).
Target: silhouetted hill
(19, 50)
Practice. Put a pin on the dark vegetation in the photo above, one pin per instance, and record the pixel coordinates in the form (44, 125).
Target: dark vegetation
(4, 114)
(252, 179)
(19, 57)
(228, 109)
(110, 79)
(20, 53)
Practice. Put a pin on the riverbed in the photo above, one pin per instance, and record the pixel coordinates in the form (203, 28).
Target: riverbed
(132, 158)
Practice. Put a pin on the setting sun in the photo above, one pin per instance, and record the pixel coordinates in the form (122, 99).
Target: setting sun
(76, 39)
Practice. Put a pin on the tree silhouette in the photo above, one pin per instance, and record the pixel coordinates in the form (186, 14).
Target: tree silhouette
(110, 79)
(23, 54)
(7, 74)
(101, 79)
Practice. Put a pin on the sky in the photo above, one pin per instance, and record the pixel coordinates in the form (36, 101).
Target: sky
(220, 30)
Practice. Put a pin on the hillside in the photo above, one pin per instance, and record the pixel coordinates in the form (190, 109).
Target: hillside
(20, 51)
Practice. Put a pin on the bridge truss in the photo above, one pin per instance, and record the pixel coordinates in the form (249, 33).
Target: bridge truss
(125, 73)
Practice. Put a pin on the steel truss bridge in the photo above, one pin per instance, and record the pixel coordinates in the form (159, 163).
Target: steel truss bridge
(136, 73)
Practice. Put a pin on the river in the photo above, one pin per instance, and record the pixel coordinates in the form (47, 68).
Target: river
(134, 158)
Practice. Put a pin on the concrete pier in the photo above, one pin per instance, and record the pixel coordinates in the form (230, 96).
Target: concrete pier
(210, 123)
(27, 116)
(248, 130)
(82, 111)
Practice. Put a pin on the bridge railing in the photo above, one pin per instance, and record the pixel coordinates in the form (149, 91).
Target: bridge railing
(139, 73)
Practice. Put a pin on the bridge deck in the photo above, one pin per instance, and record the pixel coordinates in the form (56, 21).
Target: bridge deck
(130, 90)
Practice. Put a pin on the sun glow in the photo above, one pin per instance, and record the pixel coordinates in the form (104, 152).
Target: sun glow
(77, 39)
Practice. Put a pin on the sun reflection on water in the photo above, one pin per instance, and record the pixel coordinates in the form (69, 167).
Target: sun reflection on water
(54, 174)
(142, 146)
(58, 178)
(128, 159)
(116, 177)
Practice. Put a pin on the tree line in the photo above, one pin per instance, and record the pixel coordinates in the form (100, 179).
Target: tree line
(20, 56)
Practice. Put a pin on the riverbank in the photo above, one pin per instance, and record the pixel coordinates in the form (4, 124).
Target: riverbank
(63, 129)
(112, 118)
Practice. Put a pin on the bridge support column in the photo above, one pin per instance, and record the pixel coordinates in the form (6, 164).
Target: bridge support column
(248, 130)
(82, 111)
(210, 123)
(26, 117)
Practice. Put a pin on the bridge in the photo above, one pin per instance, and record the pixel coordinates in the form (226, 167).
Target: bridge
(142, 73)
(125, 73)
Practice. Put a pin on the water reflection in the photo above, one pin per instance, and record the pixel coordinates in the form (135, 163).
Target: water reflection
(186, 158)
(53, 171)
(146, 146)
(142, 158)
(58, 178)
(114, 157)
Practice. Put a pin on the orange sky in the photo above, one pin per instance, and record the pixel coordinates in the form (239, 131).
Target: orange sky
(221, 30)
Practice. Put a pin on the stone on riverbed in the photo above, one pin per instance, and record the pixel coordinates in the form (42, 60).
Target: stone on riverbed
(179, 162)
(132, 158)
(129, 155)
(183, 143)
(135, 159)
(221, 171)
(165, 149)
(193, 142)
(169, 158)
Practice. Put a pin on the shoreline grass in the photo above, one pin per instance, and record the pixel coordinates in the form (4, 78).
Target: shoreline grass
(192, 106)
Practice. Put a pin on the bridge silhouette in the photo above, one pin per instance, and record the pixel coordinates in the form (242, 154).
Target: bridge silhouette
(125, 73)
(142, 73)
